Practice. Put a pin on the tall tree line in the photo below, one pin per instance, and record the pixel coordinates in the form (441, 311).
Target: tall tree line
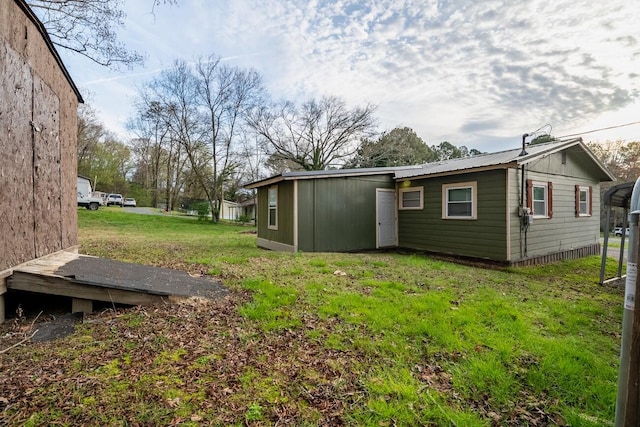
(191, 126)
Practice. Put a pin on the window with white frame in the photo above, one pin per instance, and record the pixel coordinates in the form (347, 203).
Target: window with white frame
(540, 199)
(459, 200)
(540, 192)
(411, 198)
(583, 201)
(273, 208)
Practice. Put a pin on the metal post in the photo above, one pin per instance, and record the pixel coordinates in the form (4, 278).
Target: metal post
(603, 264)
(627, 405)
(625, 225)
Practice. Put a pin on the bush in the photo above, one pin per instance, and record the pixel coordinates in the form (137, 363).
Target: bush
(203, 210)
(243, 218)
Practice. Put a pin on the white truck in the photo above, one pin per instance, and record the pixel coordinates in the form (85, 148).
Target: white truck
(84, 195)
(91, 203)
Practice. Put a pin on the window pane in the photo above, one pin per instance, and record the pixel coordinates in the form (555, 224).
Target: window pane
(459, 209)
(539, 208)
(584, 204)
(272, 217)
(273, 197)
(411, 203)
(411, 195)
(460, 195)
(539, 193)
(411, 199)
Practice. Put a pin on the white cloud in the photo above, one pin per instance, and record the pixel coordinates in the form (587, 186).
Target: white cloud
(470, 72)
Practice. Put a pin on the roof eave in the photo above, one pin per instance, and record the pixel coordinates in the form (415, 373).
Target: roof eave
(264, 182)
(290, 176)
(569, 143)
(459, 171)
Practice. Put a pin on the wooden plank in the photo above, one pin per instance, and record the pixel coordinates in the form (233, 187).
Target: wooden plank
(48, 264)
(79, 305)
(58, 285)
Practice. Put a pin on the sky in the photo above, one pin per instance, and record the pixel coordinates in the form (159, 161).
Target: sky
(474, 73)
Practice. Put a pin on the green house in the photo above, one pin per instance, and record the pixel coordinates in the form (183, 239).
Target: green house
(519, 206)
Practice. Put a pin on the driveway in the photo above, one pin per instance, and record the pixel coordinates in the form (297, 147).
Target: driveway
(154, 211)
(144, 211)
(613, 251)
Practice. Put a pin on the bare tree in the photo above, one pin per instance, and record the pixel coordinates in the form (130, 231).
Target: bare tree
(203, 108)
(153, 147)
(89, 28)
(167, 118)
(315, 136)
(226, 94)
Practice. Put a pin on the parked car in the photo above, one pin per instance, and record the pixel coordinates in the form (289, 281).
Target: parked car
(114, 199)
(129, 202)
(91, 203)
(618, 231)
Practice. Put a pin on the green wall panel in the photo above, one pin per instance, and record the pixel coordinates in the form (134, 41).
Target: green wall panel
(284, 233)
(338, 214)
(485, 237)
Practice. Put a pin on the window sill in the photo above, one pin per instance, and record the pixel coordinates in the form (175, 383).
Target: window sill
(464, 218)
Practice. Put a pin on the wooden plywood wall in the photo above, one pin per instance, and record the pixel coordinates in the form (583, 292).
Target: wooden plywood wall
(38, 122)
(16, 180)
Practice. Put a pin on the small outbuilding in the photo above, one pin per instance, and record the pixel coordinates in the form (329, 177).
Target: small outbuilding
(38, 133)
(516, 206)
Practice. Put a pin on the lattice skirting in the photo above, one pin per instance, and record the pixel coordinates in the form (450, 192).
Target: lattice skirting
(585, 251)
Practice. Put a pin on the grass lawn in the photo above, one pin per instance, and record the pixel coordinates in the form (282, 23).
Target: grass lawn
(379, 339)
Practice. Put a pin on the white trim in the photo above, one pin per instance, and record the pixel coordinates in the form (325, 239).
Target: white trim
(269, 226)
(395, 217)
(473, 185)
(274, 246)
(582, 188)
(410, 190)
(295, 216)
(508, 209)
(545, 185)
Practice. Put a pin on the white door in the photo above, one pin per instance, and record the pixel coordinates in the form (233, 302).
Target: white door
(385, 217)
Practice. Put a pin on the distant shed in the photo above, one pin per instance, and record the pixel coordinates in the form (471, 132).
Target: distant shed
(38, 135)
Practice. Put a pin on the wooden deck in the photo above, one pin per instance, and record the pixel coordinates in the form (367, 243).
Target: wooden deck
(86, 279)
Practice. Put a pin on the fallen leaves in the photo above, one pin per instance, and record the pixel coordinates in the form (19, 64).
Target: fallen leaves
(198, 357)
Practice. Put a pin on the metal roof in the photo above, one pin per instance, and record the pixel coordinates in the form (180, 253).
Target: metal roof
(333, 173)
(501, 159)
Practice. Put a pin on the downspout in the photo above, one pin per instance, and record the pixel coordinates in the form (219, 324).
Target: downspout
(524, 227)
(523, 153)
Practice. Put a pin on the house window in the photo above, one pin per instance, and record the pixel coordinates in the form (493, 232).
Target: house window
(539, 198)
(273, 208)
(584, 202)
(411, 198)
(459, 201)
